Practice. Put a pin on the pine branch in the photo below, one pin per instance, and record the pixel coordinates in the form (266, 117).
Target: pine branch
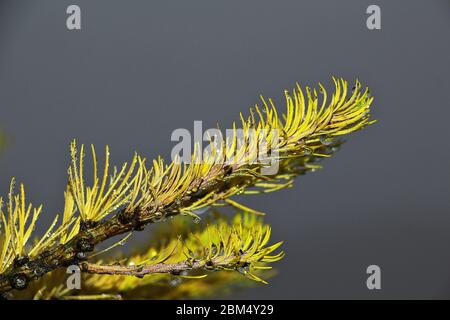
(216, 238)
(137, 195)
(219, 247)
(140, 271)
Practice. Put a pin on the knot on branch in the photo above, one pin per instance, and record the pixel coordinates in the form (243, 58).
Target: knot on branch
(19, 281)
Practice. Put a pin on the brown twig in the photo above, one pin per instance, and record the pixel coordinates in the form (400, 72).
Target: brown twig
(140, 271)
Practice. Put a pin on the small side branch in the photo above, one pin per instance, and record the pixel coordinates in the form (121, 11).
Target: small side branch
(140, 271)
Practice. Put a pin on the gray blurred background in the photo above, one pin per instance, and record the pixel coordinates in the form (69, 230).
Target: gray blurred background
(139, 69)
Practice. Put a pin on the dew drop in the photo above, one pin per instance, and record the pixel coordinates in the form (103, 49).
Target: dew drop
(307, 151)
(334, 149)
(158, 216)
(325, 140)
(81, 255)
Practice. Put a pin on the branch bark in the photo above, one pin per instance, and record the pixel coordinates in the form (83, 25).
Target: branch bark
(75, 251)
(140, 271)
